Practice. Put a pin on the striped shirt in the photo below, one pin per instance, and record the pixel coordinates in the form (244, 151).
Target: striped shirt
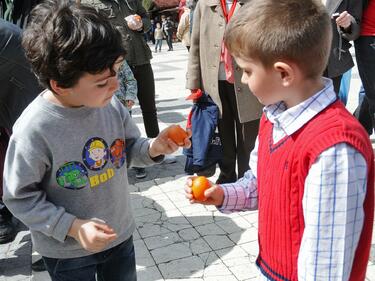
(334, 193)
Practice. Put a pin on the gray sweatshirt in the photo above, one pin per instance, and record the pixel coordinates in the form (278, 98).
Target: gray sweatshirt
(66, 163)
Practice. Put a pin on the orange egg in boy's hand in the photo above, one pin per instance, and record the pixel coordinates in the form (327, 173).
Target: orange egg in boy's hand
(198, 187)
(177, 134)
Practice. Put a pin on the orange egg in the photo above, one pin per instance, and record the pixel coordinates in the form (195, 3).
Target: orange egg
(199, 185)
(177, 134)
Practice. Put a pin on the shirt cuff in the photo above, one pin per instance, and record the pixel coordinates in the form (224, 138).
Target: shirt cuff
(230, 198)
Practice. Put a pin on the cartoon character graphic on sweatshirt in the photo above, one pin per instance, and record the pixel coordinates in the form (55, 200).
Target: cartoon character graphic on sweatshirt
(118, 153)
(95, 155)
(72, 175)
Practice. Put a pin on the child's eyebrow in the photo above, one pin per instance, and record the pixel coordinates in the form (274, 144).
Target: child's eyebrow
(104, 78)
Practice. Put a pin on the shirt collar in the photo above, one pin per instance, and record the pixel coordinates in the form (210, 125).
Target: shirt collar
(292, 119)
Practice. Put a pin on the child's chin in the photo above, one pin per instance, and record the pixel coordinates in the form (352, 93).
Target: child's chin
(106, 101)
(264, 102)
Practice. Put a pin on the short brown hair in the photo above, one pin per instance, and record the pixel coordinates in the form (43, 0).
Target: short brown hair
(271, 30)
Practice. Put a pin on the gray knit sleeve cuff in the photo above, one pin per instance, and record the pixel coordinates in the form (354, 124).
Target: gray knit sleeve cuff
(63, 226)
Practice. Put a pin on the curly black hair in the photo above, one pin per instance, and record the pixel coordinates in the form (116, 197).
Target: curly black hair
(64, 40)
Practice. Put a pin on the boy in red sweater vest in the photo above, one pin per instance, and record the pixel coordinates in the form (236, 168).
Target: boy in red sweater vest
(312, 170)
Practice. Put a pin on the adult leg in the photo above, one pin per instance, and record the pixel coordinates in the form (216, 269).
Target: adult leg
(226, 125)
(120, 265)
(146, 96)
(7, 230)
(362, 113)
(336, 84)
(365, 55)
(247, 133)
(169, 41)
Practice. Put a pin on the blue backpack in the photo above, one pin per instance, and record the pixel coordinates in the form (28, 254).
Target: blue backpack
(206, 149)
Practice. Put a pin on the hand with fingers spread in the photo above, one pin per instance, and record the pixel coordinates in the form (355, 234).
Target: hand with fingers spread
(344, 20)
(93, 236)
(162, 144)
(214, 195)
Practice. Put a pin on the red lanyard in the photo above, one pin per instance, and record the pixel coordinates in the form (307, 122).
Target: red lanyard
(231, 11)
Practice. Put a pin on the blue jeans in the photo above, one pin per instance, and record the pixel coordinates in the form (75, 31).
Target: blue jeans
(116, 264)
(158, 44)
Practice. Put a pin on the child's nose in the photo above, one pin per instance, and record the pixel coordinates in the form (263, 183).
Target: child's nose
(243, 79)
(114, 84)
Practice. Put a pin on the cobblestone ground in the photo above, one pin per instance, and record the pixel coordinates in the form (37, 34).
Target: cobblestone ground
(174, 240)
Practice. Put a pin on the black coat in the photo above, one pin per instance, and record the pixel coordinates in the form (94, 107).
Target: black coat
(340, 62)
(19, 85)
(137, 50)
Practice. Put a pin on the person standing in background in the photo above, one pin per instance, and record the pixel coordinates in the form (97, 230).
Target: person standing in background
(151, 32)
(345, 17)
(365, 55)
(212, 69)
(19, 87)
(183, 29)
(167, 26)
(158, 35)
(127, 92)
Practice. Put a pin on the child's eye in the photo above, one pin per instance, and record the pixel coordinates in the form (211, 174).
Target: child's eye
(102, 85)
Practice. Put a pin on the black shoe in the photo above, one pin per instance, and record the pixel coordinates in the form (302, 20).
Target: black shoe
(7, 232)
(140, 173)
(38, 266)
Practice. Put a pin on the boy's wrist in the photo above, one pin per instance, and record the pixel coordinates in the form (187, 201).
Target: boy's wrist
(221, 196)
(152, 151)
(73, 231)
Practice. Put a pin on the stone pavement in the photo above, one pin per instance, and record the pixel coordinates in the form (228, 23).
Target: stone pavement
(174, 240)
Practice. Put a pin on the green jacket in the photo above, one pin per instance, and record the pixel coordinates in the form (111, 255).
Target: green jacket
(137, 50)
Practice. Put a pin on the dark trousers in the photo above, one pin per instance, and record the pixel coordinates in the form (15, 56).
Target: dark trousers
(146, 96)
(336, 82)
(169, 41)
(5, 215)
(237, 138)
(116, 264)
(365, 55)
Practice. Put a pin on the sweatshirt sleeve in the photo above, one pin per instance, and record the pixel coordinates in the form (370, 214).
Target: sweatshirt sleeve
(23, 172)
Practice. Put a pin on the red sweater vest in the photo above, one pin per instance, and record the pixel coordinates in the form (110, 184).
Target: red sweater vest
(282, 170)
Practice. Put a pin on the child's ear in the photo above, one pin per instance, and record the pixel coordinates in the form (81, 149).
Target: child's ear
(286, 72)
(58, 89)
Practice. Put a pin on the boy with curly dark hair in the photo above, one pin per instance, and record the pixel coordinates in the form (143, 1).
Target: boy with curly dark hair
(65, 169)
